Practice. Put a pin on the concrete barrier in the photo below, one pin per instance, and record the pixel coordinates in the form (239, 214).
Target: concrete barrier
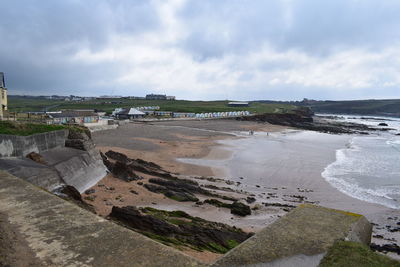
(20, 146)
(303, 235)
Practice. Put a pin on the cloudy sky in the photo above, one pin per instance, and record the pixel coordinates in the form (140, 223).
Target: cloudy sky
(203, 49)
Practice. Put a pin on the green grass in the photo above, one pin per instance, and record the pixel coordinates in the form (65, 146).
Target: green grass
(24, 104)
(24, 129)
(344, 253)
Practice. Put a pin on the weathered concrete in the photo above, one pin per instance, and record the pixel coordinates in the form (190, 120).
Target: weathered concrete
(306, 231)
(62, 234)
(81, 169)
(35, 173)
(20, 146)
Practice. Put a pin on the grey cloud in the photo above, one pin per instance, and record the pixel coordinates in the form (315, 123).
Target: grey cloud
(312, 26)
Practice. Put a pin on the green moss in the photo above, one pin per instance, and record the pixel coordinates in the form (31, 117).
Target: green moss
(217, 248)
(344, 253)
(232, 243)
(177, 221)
(164, 239)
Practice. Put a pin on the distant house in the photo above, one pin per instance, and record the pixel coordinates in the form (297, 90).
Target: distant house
(170, 97)
(3, 95)
(73, 117)
(129, 113)
(238, 104)
(156, 97)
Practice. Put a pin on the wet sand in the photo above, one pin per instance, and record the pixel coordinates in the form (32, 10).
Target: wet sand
(288, 165)
(278, 167)
(163, 143)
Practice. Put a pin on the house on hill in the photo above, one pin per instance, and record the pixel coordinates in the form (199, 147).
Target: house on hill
(3, 95)
(156, 97)
(129, 113)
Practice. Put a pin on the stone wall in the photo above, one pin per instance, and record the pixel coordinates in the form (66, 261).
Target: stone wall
(20, 146)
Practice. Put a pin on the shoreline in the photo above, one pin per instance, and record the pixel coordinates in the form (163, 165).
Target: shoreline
(215, 144)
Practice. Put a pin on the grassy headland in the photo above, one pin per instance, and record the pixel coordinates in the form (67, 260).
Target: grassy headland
(25, 104)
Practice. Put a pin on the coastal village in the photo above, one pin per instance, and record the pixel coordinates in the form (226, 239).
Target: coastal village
(123, 184)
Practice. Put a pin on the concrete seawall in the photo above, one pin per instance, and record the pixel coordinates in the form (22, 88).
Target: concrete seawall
(20, 146)
(61, 234)
(80, 166)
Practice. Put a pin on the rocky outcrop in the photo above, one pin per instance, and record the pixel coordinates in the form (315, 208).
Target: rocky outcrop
(236, 207)
(303, 120)
(179, 228)
(394, 248)
(175, 194)
(135, 164)
(120, 166)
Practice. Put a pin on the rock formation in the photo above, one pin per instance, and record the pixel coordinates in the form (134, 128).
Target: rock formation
(179, 228)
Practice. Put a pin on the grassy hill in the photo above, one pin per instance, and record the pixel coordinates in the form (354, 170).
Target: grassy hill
(389, 107)
(385, 107)
(25, 104)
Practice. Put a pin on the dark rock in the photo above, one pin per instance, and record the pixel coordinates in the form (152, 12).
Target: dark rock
(134, 192)
(74, 134)
(236, 208)
(394, 248)
(135, 164)
(90, 191)
(279, 205)
(178, 195)
(123, 171)
(240, 209)
(117, 156)
(179, 228)
(70, 193)
(140, 183)
(383, 124)
(250, 200)
(378, 236)
(36, 158)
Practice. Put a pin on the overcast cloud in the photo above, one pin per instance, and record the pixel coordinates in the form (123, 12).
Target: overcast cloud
(203, 49)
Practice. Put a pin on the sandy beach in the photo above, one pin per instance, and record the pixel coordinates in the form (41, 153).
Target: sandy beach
(280, 167)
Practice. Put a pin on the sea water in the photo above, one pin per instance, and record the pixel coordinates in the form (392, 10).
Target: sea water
(368, 168)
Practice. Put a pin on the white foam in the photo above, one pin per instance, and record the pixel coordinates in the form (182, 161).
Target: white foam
(340, 174)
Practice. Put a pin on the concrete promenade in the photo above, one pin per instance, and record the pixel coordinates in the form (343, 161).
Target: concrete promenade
(60, 233)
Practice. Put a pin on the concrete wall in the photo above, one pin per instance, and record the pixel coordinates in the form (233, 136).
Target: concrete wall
(20, 146)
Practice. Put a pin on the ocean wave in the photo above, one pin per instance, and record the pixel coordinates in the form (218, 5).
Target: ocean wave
(393, 142)
(343, 173)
